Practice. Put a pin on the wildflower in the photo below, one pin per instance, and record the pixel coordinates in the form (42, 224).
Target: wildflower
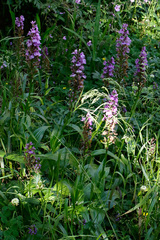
(78, 1)
(64, 87)
(152, 147)
(143, 188)
(19, 30)
(117, 217)
(122, 48)
(108, 69)
(45, 52)
(124, 109)
(33, 46)
(117, 8)
(78, 76)
(37, 165)
(50, 36)
(89, 43)
(84, 221)
(110, 113)
(64, 38)
(31, 161)
(87, 131)
(140, 73)
(19, 22)
(15, 201)
(32, 230)
(132, 1)
(145, 214)
(155, 85)
(4, 64)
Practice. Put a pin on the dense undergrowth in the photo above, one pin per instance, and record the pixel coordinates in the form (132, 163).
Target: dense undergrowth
(79, 122)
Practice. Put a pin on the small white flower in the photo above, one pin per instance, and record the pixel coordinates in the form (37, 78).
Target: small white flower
(152, 76)
(15, 201)
(143, 188)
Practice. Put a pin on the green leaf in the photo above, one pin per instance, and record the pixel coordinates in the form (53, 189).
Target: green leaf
(16, 158)
(38, 21)
(78, 37)
(47, 32)
(75, 127)
(61, 188)
(96, 30)
(39, 133)
(103, 151)
(2, 154)
(142, 202)
(33, 201)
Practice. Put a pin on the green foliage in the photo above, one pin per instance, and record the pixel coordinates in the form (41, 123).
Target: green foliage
(91, 183)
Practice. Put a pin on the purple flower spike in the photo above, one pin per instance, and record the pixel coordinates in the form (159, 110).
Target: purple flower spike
(108, 70)
(33, 51)
(32, 230)
(110, 117)
(19, 22)
(122, 48)
(78, 76)
(141, 64)
(31, 161)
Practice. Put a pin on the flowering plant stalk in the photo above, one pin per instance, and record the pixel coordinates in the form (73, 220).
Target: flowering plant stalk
(19, 45)
(110, 118)
(33, 52)
(19, 31)
(87, 132)
(122, 48)
(78, 76)
(108, 70)
(32, 163)
(140, 74)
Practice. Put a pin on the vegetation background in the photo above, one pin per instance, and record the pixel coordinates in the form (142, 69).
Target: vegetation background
(79, 119)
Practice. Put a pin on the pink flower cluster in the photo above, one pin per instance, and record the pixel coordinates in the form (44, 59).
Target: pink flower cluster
(108, 68)
(110, 113)
(19, 22)
(122, 48)
(141, 63)
(78, 76)
(123, 42)
(31, 161)
(33, 45)
(110, 108)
